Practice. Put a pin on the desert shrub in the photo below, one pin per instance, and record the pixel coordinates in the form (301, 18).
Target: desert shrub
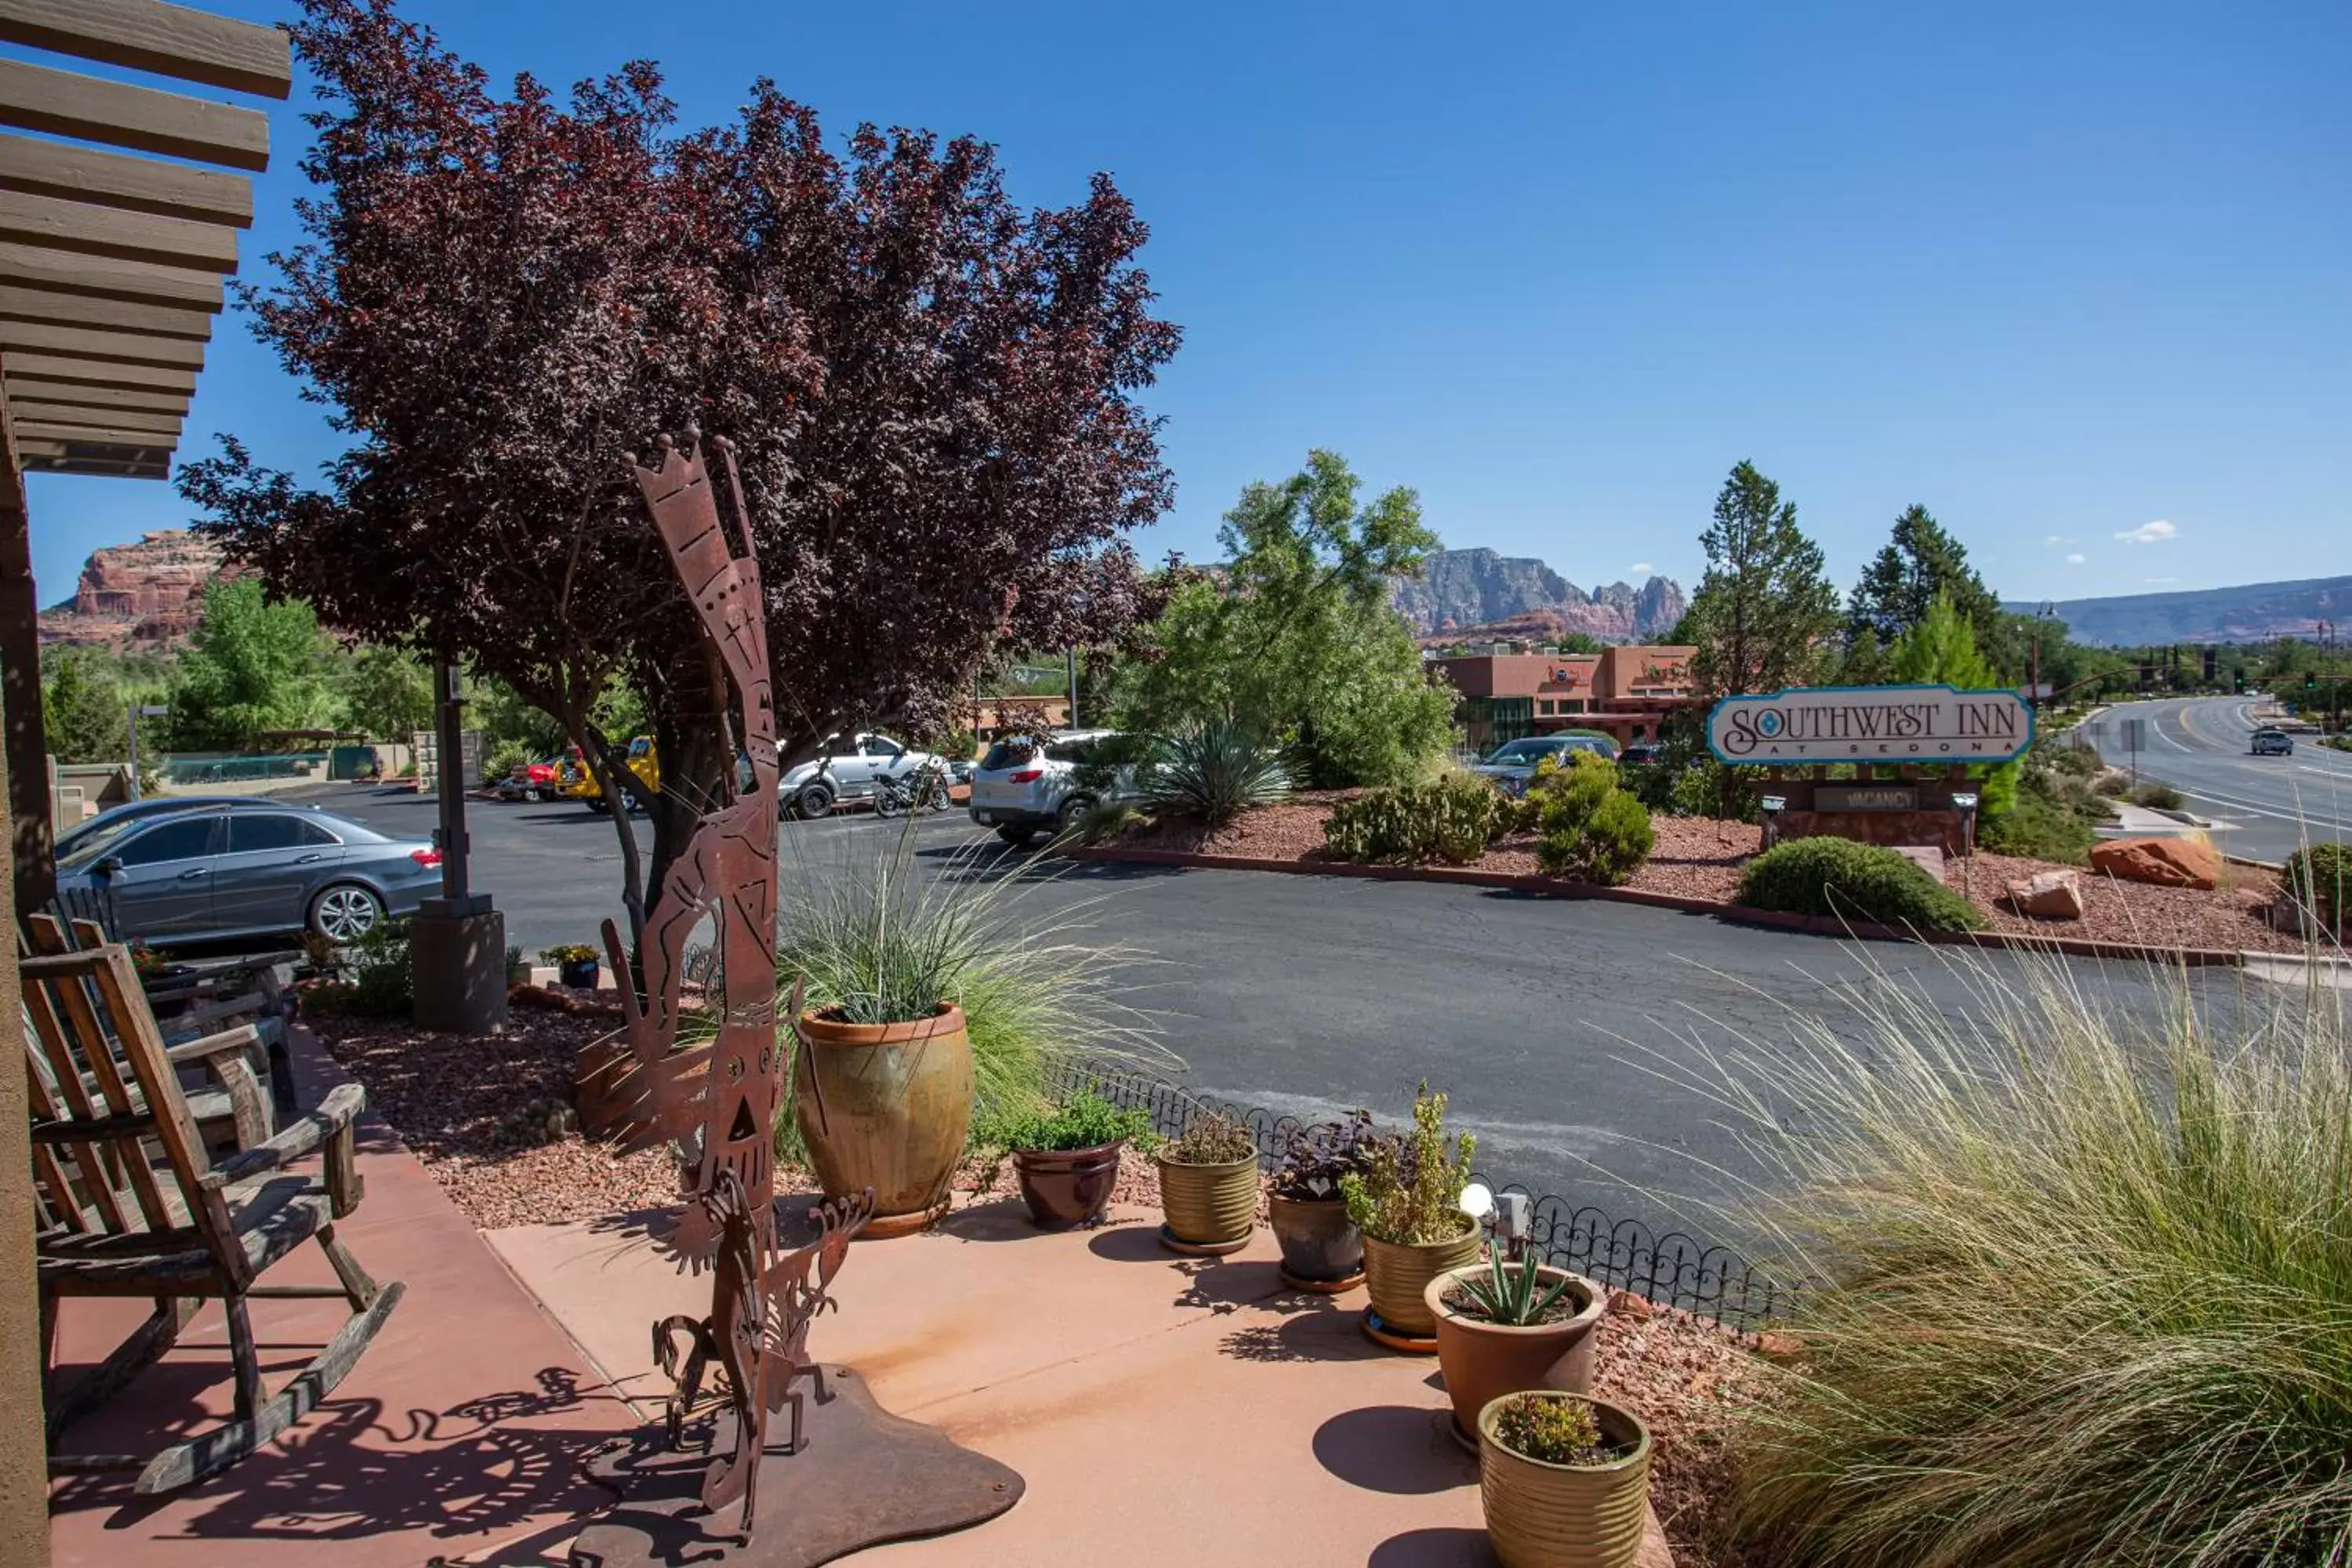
(2083, 1278)
(1852, 881)
(2114, 785)
(2041, 828)
(2319, 875)
(383, 987)
(503, 759)
(1453, 818)
(1408, 1190)
(2156, 797)
(1593, 829)
(1213, 771)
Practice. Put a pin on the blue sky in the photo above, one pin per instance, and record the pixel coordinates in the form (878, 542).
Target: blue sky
(2071, 276)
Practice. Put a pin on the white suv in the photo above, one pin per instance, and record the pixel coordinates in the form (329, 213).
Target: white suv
(846, 769)
(1026, 785)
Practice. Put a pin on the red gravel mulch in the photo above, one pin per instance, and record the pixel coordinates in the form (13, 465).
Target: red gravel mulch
(1699, 857)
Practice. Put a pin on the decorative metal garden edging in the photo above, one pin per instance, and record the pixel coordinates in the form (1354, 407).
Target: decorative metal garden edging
(1671, 1268)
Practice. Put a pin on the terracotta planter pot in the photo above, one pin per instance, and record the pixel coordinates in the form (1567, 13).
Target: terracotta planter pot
(1209, 1206)
(1396, 1273)
(1482, 1361)
(1319, 1241)
(885, 1106)
(1066, 1188)
(1565, 1516)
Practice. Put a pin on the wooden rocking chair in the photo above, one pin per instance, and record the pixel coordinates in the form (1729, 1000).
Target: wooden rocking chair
(131, 1205)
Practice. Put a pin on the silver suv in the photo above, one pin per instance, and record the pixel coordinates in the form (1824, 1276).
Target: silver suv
(1027, 785)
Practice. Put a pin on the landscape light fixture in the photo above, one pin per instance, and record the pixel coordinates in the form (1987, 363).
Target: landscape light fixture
(1776, 803)
(1965, 801)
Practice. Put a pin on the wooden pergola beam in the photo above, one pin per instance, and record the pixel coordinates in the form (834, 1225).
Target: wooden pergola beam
(33, 430)
(124, 180)
(97, 373)
(90, 343)
(63, 413)
(116, 315)
(65, 103)
(102, 277)
(148, 35)
(55, 222)
(41, 390)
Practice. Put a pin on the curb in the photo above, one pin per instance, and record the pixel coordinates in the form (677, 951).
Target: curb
(1734, 914)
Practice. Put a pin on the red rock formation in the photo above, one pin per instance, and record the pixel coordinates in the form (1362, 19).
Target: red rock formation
(151, 591)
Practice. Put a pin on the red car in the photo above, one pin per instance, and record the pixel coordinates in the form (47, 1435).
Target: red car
(534, 781)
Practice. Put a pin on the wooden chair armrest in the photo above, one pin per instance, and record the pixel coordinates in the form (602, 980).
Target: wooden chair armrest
(332, 1118)
(250, 1003)
(245, 1037)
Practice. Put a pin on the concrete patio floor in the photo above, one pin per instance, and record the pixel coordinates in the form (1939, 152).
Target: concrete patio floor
(1161, 1409)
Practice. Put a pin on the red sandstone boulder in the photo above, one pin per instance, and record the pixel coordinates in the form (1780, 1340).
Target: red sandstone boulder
(2162, 862)
(2049, 896)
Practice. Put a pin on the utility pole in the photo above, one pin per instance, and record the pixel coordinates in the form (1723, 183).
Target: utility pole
(1070, 656)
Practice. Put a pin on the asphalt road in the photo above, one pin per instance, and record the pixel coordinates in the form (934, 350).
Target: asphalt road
(1314, 994)
(2265, 808)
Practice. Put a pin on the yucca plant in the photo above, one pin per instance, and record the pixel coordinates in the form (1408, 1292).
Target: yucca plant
(2084, 1276)
(1213, 771)
(1509, 1295)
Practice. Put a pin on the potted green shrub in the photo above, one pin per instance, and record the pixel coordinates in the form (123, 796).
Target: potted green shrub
(1065, 1159)
(1506, 1327)
(1208, 1186)
(1564, 1480)
(575, 964)
(1322, 1250)
(517, 967)
(1407, 1201)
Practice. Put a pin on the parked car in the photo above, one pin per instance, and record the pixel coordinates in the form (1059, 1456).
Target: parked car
(530, 781)
(1641, 752)
(575, 781)
(1028, 784)
(251, 868)
(1512, 763)
(2270, 743)
(845, 769)
(113, 818)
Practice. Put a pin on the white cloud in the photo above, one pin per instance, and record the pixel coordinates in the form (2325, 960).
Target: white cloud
(2074, 560)
(2159, 579)
(1641, 568)
(2055, 540)
(2148, 532)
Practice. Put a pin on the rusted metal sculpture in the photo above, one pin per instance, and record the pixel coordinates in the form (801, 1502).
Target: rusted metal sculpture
(717, 1103)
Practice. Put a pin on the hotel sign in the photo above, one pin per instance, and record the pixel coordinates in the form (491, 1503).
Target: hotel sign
(1873, 723)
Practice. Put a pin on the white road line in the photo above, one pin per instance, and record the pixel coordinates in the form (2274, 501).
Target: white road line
(2156, 727)
(2302, 815)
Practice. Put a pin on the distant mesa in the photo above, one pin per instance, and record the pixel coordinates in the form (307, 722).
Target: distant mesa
(1478, 592)
(133, 596)
(2256, 612)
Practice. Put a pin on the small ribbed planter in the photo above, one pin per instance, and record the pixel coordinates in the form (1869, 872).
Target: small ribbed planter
(1209, 1209)
(1397, 1273)
(1565, 1516)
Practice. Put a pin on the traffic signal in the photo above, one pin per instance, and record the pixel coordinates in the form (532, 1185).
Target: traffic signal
(2310, 680)
(2212, 662)
(2238, 679)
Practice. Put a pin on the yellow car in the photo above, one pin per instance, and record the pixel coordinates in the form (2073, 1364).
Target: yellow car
(576, 781)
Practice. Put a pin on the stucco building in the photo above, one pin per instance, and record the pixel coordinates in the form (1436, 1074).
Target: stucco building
(1626, 693)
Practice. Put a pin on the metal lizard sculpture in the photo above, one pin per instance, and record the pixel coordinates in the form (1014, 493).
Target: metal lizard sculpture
(718, 1102)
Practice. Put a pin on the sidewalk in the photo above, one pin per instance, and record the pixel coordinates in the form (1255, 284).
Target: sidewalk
(461, 1428)
(1161, 1410)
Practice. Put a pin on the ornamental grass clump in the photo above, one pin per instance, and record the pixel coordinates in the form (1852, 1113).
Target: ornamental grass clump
(2084, 1276)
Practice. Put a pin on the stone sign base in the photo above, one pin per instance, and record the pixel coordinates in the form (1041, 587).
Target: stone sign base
(1944, 830)
(862, 1477)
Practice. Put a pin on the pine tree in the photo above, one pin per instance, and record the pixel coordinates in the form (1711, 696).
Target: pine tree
(83, 716)
(1766, 606)
(1919, 561)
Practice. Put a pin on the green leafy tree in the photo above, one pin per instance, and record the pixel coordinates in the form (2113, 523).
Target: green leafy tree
(1919, 561)
(1295, 636)
(252, 665)
(83, 712)
(1765, 607)
(387, 692)
(1942, 649)
(1578, 642)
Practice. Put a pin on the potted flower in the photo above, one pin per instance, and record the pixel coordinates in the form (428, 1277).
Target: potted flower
(517, 967)
(1506, 1327)
(1321, 1247)
(1208, 1186)
(575, 964)
(1564, 1480)
(1067, 1159)
(1407, 1203)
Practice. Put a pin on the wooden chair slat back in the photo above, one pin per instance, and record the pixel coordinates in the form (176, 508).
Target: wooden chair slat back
(53, 1183)
(84, 1006)
(57, 1078)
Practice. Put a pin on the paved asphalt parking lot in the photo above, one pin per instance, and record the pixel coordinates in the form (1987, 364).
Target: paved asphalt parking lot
(1313, 994)
(2267, 807)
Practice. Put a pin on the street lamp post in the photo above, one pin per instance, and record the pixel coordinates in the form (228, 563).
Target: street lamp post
(138, 711)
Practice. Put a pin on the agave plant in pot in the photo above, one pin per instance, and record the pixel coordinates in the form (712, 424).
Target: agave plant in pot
(1066, 1160)
(1407, 1201)
(1505, 1326)
(1322, 1250)
(1208, 1186)
(1564, 1480)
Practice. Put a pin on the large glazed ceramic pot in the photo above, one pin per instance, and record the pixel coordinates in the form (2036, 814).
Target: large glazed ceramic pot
(886, 1106)
(1066, 1188)
(1398, 1273)
(1320, 1245)
(1482, 1361)
(1566, 1516)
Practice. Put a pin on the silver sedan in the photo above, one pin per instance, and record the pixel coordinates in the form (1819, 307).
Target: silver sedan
(261, 869)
